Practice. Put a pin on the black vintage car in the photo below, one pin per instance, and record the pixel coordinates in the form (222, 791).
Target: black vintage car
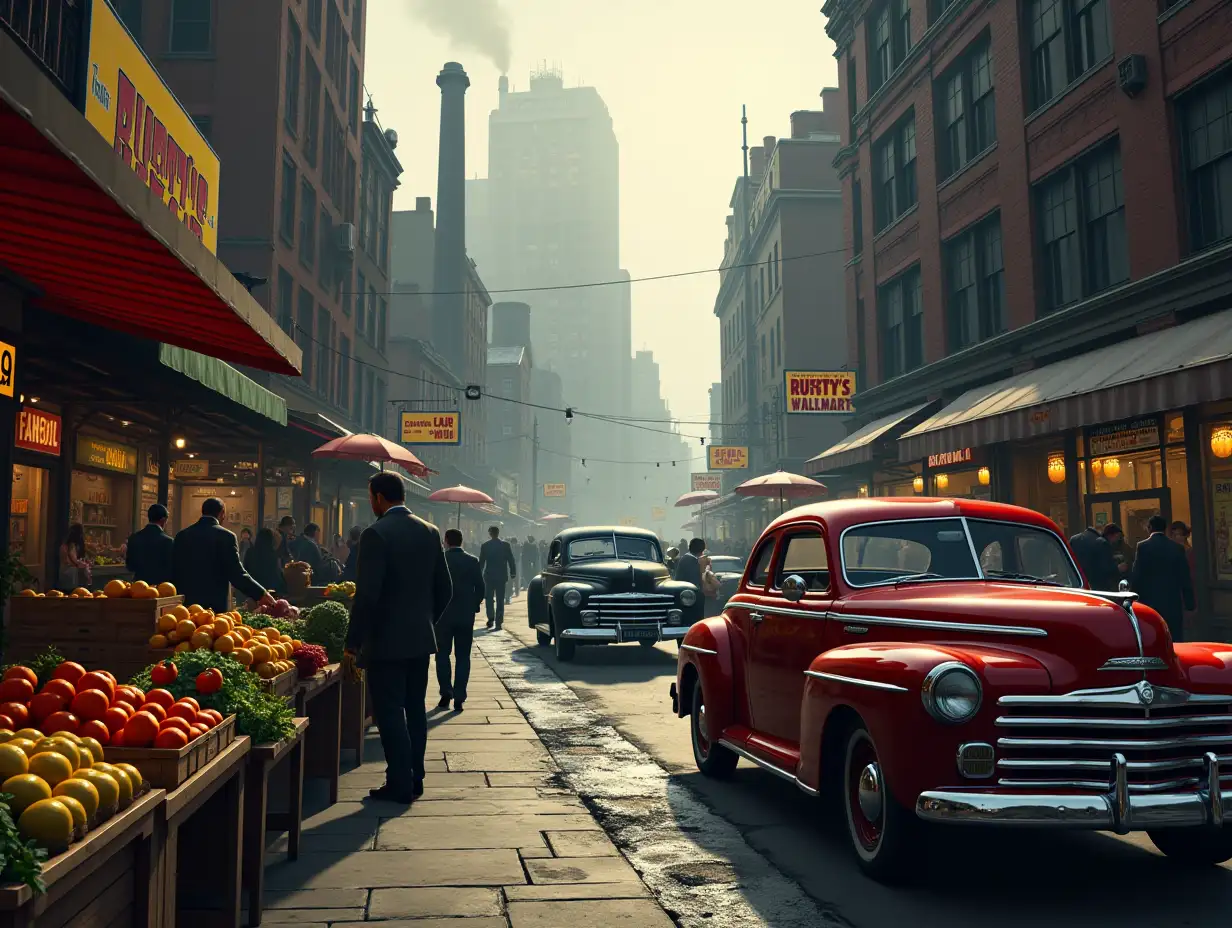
(606, 585)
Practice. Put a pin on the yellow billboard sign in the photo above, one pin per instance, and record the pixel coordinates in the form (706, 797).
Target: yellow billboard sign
(556, 490)
(658, 514)
(432, 428)
(820, 392)
(131, 107)
(729, 457)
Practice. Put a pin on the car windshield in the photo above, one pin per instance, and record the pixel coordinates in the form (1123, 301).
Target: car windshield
(624, 547)
(725, 564)
(941, 549)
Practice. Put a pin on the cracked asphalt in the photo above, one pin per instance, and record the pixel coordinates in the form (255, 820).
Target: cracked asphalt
(753, 851)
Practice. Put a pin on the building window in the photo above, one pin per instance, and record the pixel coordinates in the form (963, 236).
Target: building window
(852, 104)
(314, 19)
(190, 27)
(312, 111)
(336, 48)
(286, 211)
(1067, 39)
(857, 219)
(357, 24)
(344, 372)
(894, 173)
(286, 302)
(353, 104)
(361, 291)
(292, 78)
(303, 330)
(382, 320)
(365, 184)
(937, 7)
(967, 109)
(323, 366)
(370, 323)
(889, 38)
(1206, 151)
(861, 344)
(382, 237)
(325, 238)
(307, 223)
(901, 311)
(974, 284)
(1082, 227)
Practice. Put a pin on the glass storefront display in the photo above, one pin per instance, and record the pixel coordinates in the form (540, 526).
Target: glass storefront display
(1218, 441)
(28, 517)
(972, 483)
(1040, 477)
(103, 504)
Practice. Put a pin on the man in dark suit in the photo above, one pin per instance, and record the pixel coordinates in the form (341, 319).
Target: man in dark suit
(206, 563)
(307, 547)
(1094, 556)
(1161, 576)
(530, 560)
(689, 567)
(148, 553)
(498, 566)
(456, 629)
(402, 590)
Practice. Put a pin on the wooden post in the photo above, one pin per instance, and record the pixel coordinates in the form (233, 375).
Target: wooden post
(260, 487)
(164, 466)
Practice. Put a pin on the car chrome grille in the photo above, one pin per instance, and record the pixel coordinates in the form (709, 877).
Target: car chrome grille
(617, 609)
(1069, 742)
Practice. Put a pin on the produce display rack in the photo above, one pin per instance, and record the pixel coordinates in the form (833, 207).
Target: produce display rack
(319, 699)
(169, 768)
(106, 879)
(282, 685)
(264, 761)
(356, 717)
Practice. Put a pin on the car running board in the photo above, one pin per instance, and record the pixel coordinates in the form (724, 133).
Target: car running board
(544, 628)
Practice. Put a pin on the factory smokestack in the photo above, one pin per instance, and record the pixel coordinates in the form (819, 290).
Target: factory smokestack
(449, 265)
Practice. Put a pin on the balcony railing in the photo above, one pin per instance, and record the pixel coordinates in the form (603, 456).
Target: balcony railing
(52, 32)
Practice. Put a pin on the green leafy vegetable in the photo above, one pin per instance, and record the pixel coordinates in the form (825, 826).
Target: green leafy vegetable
(44, 663)
(20, 861)
(292, 627)
(262, 716)
(326, 625)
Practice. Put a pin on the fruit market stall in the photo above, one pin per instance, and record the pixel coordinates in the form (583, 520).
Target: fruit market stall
(319, 699)
(343, 592)
(265, 762)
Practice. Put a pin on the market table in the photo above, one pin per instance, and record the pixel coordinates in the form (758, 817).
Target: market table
(356, 717)
(207, 812)
(105, 879)
(263, 760)
(319, 699)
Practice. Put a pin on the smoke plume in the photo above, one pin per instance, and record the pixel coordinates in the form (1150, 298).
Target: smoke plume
(479, 24)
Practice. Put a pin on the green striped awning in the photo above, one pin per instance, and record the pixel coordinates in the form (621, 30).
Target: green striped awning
(222, 378)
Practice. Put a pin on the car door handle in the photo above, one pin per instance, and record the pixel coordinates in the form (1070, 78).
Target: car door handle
(755, 617)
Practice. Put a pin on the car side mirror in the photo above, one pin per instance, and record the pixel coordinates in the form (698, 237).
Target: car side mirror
(794, 588)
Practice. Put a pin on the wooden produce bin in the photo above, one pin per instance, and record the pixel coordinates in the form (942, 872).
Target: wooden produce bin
(104, 880)
(169, 768)
(282, 685)
(319, 699)
(265, 762)
(356, 717)
(201, 833)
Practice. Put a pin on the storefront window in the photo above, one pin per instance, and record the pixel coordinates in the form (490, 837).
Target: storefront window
(103, 504)
(973, 483)
(1218, 441)
(28, 518)
(905, 481)
(1124, 473)
(1040, 476)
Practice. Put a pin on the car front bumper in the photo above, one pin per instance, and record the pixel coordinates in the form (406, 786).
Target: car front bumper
(615, 635)
(1118, 810)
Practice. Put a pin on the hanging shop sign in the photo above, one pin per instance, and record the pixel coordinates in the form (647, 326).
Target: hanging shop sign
(729, 457)
(191, 468)
(8, 369)
(506, 487)
(820, 392)
(431, 428)
(658, 514)
(1123, 437)
(106, 455)
(1221, 520)
(950, 458)
(554, 490)
(38, 431)
(130, 106)
(698, 482)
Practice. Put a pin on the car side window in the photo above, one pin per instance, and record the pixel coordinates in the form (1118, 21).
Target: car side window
(554, 553)
(805, 556)
(761, 565)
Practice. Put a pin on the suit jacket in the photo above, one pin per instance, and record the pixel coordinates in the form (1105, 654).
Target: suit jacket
(1162, 580)
(689, 569)
(530, 561)
(306, 550)
(402, 589)
(467, 589)
(1094, 556)
(496, 561)
(206, 564)
(149, 554)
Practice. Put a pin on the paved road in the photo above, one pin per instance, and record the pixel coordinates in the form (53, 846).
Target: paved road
(966, 878)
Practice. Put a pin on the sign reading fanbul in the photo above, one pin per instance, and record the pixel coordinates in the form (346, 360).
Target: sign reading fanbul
(820, 392)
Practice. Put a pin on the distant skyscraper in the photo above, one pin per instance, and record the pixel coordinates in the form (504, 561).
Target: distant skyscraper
(551, 207)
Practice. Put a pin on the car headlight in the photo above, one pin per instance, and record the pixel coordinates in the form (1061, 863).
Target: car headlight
(573, 599)
(952, 693)
(687, 597)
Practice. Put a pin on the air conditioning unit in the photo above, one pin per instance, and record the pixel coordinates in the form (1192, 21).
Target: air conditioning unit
(344, 237)
(1131, 75)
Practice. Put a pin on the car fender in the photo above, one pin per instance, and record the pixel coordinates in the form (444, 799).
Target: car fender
(1205, 665)
(710, 651)
(536, 610)
(882, 683)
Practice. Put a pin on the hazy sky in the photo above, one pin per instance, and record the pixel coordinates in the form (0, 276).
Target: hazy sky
(674, 74)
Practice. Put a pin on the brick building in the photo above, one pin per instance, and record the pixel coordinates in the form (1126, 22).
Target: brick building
(1038, 264)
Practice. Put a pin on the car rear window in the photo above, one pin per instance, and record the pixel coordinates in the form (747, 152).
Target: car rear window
(806, 558)
(761, 562)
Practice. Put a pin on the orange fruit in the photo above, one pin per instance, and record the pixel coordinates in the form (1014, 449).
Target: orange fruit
(198, 731)
(155, 710)
(243, 655)
(132, 693)
(221, 627)
(183, 646)
(61, 721)
(139, 588)
(44, 705)
(172, 738)
(224, 645)
(60, 686)
(205, 720)
(16, 689)
(201, 640)
(141, 730)
(90, 705)
(174, 721)
(160, 696)
(24, 672)
(115, 589)
(189, 701)
(158, 642)
(261, 654)
(195, 608)
(95, 730)
(185, 629)
(97, 680)
(167, 622)
(183, 711)
(16, 711)
(166, 588)
(115, 719)
(180, 612)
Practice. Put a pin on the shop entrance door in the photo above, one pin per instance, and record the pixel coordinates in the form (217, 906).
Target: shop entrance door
(1130, 511)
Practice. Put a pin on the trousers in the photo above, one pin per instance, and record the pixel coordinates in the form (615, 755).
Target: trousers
(398, 692)
(457, 640)
(494, 600)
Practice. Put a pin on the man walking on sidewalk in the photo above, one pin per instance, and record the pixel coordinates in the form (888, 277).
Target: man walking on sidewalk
(498, 566)
(402, 590)
(456, 629)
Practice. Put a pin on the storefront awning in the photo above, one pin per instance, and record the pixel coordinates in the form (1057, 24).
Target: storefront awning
(858, 447)
(1176, 367)
(222, 378)
(79, 225)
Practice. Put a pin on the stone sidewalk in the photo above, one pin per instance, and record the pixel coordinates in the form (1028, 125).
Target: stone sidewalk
(495, 842)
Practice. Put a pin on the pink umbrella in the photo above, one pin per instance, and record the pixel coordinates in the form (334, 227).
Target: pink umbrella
(459, 495)
(696, 498)
(372, 448)
(782, 484)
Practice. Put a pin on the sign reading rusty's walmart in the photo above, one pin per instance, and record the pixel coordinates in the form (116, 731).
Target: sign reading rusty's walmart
(131, 107)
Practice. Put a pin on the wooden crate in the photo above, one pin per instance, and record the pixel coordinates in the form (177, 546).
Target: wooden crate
(165, 768)
(104, 634)
(282, 685)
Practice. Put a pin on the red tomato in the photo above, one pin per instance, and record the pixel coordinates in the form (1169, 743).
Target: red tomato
(45, 704)
(182, 710)
(62, 687)
(115, 719)
(60, 721)
(17, 712)
(70, 671)
(209, 681)
(97, 730)
(164, 673)
(16, 689)
(98, 680)
(6, 722)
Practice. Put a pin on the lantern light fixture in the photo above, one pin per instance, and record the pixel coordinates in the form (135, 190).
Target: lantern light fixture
(984, 475)
(943, 481)
(1112, 468)
(1056, 469)
(918, 484)
(1221, 442)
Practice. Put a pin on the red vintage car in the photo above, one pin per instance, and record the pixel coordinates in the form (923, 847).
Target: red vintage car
(940, 660)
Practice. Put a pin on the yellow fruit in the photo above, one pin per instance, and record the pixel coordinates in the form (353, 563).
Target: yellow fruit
(13, 761)
(185, 629)
(116, 588)
(100, 595)
(108, 788)
(134, 775)
(166, 589)
(121, 777)
(203, 619)
(26, 745)
(26, 789)
(33, 734)
(82, 790)
(261, 653)
(265, 670)
(63, 746)
(180, 612)
(224, 645)
(285, 639)
(167, 622)
(71, 736)
(243, 655)
(195, 609)
(158, 642)
(96, 749)
(82, 591)
(79, 811)
(183, 646)
(54, 594)
(6, 735)
(47, 823)
(201, 639)
(87, 757)
(51, 766)
(28, 592)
